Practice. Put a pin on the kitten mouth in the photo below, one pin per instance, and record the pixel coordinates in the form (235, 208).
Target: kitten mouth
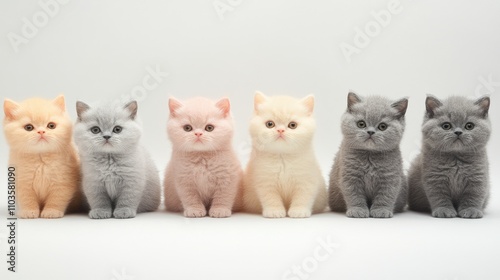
(42, 139)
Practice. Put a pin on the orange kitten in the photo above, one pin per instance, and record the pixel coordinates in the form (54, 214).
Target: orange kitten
(39, 133)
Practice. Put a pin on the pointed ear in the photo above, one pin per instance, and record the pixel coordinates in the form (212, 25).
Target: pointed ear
(132, 108)
(225, 106)
(352, 99)
(308, 101)
(59, 102)
(9, 108)
(431, 104)
(401, 107)
(174, 105)
(484, 105)
(258, 100)
(81, 108)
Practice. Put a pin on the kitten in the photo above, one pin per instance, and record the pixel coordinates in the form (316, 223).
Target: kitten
(119, 177)
(450, 177)
(283, 175)
(367, 176)
(204, 173)
(39, 133)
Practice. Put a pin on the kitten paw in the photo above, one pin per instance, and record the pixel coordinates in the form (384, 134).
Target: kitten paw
(471, 213)
(443, 212)
(220, 212)
(100, 214)
(381, 213)
(28, 214)
(299, 213)
(195, 212)
(358, 212)
(51, 214)
(124, 213)
(274, 213)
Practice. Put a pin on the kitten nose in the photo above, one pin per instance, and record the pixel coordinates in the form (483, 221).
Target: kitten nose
(281, 130)
(41, 132)
(458, 132)
(198, 134)
(106, 137)
(371, 132)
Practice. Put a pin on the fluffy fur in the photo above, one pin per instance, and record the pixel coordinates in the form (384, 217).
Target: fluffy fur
(39, 133)
(204, 174)
(119, 177)
(450, 177)
(283, 175)
(367, 178)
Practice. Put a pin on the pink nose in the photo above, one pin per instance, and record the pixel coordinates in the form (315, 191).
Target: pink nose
(281, 130)
(198, 134)
(41, 132)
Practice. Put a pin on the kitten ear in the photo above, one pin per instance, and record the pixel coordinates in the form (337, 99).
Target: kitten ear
(308, 101)
(431, 104)
(9, 108)
(258, 100)
(81, 108)
(225, 106)
(401, 106)
(59, 102)
(352, 99)
(484, 105)
(132, 108)
(174, 105)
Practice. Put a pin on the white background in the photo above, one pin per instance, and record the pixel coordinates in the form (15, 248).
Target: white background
(92, 50)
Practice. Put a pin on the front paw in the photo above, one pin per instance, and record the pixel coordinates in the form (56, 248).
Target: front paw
(100, 213)
(381, 213)
(52, 214)
(124, 213)
(29, 214)
(220, 212)
(299, 212)
(195, 212)
(274, 213)
(471, 213)
(358, 212)
(443, 212)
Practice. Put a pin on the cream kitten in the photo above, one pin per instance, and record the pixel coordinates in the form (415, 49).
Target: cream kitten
(283, 174)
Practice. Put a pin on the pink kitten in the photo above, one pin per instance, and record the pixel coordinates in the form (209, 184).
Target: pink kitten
(204, 173)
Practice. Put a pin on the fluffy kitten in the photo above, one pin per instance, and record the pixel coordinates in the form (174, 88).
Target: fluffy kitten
(367, 176)
(283, 174)
(204, 173)
(119, 177)
(450, 177)
(39, 133)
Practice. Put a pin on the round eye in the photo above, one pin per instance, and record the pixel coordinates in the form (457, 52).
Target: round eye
(29, 127)
(51, 125)
(446, 126)
(209, 128)
(382, 126)
(469, 126)
(188, 128)
(361, 124)
(293, 125)
(95, 129)
(117, 129)
(270, 124)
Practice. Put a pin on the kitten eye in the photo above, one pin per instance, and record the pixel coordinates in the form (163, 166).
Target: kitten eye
(209, 128)
(188, 128)
(270, 124)
(361, 124)
(29, 127)
(117, 129)
(293, 125)
(446, 126)
(382, 126)
(469, 126)
(95, 129)
(51, 125)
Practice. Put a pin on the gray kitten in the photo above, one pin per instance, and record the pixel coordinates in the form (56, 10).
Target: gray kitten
(119, 177)
(367, 178)
(450, 176)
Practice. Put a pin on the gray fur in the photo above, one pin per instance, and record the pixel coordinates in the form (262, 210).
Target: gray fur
(119, 179)
(450, 177)
(367, 178)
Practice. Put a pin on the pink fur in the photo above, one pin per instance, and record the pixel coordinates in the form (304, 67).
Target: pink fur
(204, 172)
